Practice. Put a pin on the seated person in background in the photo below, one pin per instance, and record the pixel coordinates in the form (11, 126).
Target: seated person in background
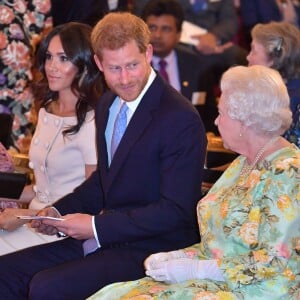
(249, 221)
(183, 69)
(142, 197)
(220, 20)
(63, 151)
(256, 11)
(277, 45)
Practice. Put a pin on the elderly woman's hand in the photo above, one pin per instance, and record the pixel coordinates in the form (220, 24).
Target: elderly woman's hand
(154, 259)
(183, 269)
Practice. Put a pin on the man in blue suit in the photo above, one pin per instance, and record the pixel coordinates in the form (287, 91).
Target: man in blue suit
(141, 199)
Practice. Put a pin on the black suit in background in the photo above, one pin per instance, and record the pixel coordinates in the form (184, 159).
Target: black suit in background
(85, 11)
(194, 78)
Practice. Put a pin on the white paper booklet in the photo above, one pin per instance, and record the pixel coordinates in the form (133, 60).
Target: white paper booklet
(39, 218)
(189, 29)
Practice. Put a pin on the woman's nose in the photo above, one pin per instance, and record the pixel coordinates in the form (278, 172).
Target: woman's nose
(53, 64)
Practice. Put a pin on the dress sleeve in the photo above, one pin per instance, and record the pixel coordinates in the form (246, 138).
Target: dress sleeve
(270, 230)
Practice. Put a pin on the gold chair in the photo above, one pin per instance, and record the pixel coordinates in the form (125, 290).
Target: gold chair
(217, 157)
(21, 163)
(217, 160)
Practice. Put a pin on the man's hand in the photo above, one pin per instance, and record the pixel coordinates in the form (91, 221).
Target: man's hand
(288, 11)
(78, 226)
(45, 228)
(208, 42)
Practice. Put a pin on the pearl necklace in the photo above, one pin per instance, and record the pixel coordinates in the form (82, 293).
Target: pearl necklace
(246, 170)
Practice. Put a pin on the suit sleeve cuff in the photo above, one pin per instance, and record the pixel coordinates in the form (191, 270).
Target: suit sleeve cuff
(95, 232)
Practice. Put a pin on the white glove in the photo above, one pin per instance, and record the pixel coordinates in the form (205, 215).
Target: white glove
(152, 260)
(182, 269)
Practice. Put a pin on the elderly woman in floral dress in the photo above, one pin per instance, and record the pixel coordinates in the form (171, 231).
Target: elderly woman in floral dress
(250, 220)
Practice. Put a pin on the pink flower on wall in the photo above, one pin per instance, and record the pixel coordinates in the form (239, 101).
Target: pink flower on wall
(6, 15)
(3, 40)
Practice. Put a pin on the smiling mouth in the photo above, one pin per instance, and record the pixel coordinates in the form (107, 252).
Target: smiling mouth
(52, 78)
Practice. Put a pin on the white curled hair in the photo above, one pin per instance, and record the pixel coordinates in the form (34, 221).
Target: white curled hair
(257, 96)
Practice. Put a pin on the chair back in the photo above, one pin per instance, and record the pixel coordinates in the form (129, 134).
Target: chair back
(216, 155)
(6, 124)
(217, 160)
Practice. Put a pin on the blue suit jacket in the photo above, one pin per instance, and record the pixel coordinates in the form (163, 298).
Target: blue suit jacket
(149, 193)
(257, 11)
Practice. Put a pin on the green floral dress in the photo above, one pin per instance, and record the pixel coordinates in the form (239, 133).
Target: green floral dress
(252, 226)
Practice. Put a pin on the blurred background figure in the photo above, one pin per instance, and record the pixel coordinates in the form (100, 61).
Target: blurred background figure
(249, 221)
(215, 47)
(181, 67)
(22, 25)
(85, 11)
(257, 11)
(277, 45)
(62, 151)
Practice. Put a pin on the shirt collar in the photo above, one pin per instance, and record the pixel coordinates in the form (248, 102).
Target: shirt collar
(169, 59)
(132, 105)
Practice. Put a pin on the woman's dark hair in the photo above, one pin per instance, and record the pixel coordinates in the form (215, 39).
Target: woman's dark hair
(88, 82)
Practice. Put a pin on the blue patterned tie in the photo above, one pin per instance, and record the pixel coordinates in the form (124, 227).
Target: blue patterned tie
(91, 245)
(119, 129)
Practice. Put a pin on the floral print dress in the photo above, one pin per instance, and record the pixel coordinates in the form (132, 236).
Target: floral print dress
(251, 225)
(22, 24)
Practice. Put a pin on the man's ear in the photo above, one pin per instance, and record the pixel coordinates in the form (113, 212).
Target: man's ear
(98, 63)
(149, 53)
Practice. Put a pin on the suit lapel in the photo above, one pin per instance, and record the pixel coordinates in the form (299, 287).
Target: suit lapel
(102, 115)
(137, 125)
